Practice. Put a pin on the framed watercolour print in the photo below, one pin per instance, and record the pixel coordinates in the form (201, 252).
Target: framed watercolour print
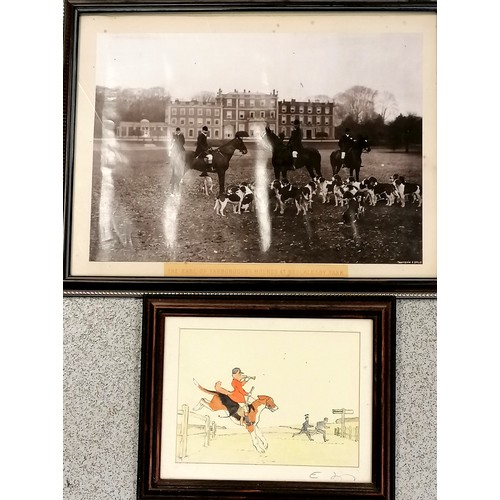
(239, 143)
(267, 397)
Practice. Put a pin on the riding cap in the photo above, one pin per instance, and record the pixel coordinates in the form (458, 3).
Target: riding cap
(205, 128)
(236, 370)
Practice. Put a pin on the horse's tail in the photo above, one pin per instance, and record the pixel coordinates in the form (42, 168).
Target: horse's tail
(317, 158)
(202, 388)
(336, 161)
(312, 160)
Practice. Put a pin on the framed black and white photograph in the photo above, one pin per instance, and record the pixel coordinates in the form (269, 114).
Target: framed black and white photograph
(253, 142)
(262, 397)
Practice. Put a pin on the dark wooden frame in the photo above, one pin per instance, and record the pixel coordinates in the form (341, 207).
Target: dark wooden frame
(140, 286)
(156, 309)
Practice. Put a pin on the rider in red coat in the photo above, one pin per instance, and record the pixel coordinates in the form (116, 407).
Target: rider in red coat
(239, 394)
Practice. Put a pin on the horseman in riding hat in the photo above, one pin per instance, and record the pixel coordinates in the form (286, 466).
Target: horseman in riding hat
(239, 394)
(295, 141)
(203, 150)
(345, 144)
(177, 147)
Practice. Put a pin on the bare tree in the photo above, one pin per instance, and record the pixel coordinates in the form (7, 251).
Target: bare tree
(358, 102)
(386, 105)
(204, 96)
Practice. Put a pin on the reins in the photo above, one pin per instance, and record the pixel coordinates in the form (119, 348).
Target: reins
(218, 150)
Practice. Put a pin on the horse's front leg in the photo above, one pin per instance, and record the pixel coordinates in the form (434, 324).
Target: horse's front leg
(256, 441)
(317, 169)
(261, 438)
(277, 172)
(222, 181)
(354, 170)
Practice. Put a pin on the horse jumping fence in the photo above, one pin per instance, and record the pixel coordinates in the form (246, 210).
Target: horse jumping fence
(188, 429)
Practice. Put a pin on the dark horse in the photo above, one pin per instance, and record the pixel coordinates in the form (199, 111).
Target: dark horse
(352, 159)
(219, 165)
(282, 157)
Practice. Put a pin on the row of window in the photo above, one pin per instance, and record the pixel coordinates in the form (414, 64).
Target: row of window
(200, 122)
(131, 128)
(182, 111)
(310, 109)
(285, 109)
(242, 115)
(251, 102)
(320, 120)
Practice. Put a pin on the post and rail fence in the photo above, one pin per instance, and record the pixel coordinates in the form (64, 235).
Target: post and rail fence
(203, 426)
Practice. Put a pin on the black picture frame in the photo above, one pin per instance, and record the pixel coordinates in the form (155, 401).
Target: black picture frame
(156, 310)
(142, 284)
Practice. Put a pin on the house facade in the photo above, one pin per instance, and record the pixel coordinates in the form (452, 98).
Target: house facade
(191, 116)
(242, 111)
(316, 118)
(249, 112)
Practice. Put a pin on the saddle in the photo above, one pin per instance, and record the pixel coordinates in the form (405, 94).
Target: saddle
(343, 155)
(244, 418)
(204, 164)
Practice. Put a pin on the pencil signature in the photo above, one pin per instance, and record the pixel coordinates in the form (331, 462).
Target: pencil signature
(333, 477)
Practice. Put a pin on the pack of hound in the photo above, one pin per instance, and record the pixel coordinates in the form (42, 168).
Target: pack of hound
(352, 195)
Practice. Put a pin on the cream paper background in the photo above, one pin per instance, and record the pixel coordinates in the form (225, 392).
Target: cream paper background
(92, 25)
(306, 365)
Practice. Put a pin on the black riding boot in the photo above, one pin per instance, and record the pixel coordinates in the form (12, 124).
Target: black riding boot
(204, 170)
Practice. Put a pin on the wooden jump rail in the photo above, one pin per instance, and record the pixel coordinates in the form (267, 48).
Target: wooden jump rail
(206, 427)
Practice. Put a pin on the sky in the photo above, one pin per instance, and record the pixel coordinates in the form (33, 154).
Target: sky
(307, 366)
(298, 66)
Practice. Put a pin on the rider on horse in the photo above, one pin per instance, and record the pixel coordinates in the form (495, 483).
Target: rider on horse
(202, 151)
(345, 143)
(239, 394)
(177, 150)
(295, 141)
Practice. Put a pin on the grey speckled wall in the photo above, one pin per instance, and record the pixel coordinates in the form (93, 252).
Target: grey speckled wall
(102, 343)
